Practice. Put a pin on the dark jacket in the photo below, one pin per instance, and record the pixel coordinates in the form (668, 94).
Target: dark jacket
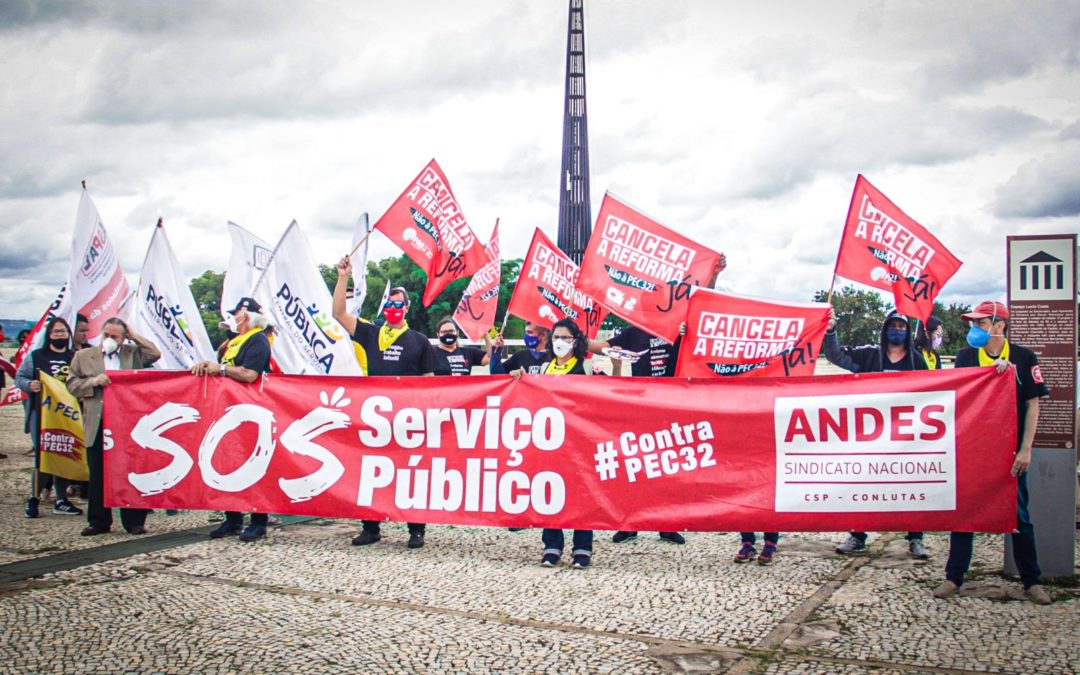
(870, 358)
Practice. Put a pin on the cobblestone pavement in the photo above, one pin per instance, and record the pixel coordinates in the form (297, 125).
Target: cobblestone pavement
(476, 600)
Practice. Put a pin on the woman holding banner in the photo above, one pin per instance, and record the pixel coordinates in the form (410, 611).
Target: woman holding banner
(569, 347)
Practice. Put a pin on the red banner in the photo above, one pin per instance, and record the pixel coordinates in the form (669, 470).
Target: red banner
(882, 247)
(736, 335)
(878, 452)
(475, 314)
(546, 290)
(14, 394)
(642, 271)
(427, 224)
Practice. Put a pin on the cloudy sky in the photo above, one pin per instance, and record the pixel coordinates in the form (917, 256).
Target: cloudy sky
(742, 125)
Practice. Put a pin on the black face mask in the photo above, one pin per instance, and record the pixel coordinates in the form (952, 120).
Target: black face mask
(59, 343)
(448, 339)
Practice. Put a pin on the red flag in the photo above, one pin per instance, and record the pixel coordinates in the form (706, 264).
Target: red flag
(427, 224)
(642, 271)
(475, 314)
(546, 289)
(884, 248)
(14, 394)
(738, 335)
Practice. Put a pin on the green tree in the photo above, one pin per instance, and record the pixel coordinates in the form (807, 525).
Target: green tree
(206, 289)
(858, 315)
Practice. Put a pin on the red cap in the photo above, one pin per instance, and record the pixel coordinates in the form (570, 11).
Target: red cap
(987, 308)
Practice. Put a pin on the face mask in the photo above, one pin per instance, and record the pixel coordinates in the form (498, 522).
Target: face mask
(896, 336)
(393, 314)
(229, 324)
(448, 339)
(59, 343)
(109, 345)
(935, 342)
(531, 341)
(561, 348)
(977, 337)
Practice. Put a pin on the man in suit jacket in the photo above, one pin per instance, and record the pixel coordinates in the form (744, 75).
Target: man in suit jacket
(87, 378)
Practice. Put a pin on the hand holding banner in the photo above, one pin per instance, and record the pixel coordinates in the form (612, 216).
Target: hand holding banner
(642, 271)
(884, 248)
(737, 335)
(62, 446)
(475, 314)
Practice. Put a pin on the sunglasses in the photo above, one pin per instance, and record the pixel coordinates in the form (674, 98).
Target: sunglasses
(396, 304)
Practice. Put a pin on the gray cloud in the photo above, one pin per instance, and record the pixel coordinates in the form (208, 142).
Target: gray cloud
(1042, 188)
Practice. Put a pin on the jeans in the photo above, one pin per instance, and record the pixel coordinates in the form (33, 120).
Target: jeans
(769, 537)
(237, 518)
(372, 526)
(1023, 541)
(554, 542)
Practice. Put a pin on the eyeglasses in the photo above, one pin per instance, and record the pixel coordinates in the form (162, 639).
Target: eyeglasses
(563, 338)
(396, 304)
(58, 332)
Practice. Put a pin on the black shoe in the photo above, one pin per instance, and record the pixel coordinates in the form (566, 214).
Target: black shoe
(32, 507)
(137, 530)
(673, 537)
(522, 529)
(416, 539)
(253, 532)
(621, 536)
(365, 538)
(91, 531)
(226, 529)
(581, 562)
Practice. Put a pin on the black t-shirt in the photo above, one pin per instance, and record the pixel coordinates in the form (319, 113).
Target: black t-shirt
(658, 361)
(56, 364)
(525, 359)
(913, 361)
(1029, 379)
(410, 354)
(254, 354)
(458, 362)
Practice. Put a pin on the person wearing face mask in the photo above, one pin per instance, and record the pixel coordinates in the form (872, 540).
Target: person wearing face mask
(392, 349)
(569, 347)
(54, 359)
(989, 346)
(894, 353)
(121, 349)
(452, 359)
(246, 358)
(528, 359)
(929, 336)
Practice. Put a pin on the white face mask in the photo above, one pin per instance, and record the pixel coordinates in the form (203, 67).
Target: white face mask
(561, 348)
(109, 345)
(229, 324)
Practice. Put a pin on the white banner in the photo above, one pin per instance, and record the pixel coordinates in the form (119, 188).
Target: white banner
(164, 311)
(250, 256)
(359, 265)
(295, 298)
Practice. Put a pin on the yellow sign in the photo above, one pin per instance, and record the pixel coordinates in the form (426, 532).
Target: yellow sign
(63, 449)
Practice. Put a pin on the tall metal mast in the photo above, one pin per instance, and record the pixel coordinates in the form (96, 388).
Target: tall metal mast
(575, 214)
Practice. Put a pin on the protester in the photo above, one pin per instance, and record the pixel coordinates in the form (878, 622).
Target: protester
(929, 336)
(452, 359)
(54, 359)
(989, 346)
(82, 331)
(87, 381)
(569, 347)
(528, 359)
(768, 550)
(392, 349)
(656, 358)
(894, 353)
(245, 359)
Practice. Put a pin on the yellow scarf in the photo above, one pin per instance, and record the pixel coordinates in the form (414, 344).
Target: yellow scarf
(987, 360)
(229, 357)
(553, 368)
(930, 358)
(388, 335)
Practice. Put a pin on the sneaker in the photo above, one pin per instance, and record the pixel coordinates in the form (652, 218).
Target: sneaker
(745, 553)
(65, 508)
(253, 532)
(918, 550)
(416, 539)
(365, 538)
(549, 560)
(768, 551)
(851, 545)
(1038, 595)
(673, 537)
(947, 589)
(620, 536)
(32, 507)
(226, 529)
(581, 561)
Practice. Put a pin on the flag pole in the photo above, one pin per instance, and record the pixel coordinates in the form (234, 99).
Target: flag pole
(360, 243)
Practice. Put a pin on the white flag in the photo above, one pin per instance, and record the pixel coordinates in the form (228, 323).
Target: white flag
(165, 311)
(362, 233)
(248, 259)
(293, 295)
(96, 286)
(385, 297)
